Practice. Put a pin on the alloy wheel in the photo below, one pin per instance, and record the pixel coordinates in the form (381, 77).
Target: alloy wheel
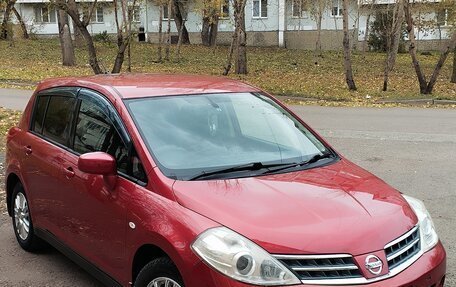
(21, 216)
(163, 282)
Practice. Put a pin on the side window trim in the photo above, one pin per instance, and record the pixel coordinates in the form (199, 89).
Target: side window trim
(35, 110)
(119, 126)
(61, 92)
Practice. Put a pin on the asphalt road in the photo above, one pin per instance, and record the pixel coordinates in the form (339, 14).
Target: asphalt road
(413, 149)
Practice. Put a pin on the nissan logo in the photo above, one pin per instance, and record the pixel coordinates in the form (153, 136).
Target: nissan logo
(374, 264)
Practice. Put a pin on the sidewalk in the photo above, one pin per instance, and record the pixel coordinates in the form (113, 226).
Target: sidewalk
(14, 99)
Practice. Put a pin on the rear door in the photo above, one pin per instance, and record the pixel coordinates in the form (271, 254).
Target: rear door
(44, 146)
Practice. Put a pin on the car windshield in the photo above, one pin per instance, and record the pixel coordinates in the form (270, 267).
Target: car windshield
(197, 134)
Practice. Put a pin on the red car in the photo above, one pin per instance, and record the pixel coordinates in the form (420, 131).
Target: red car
(195, 181)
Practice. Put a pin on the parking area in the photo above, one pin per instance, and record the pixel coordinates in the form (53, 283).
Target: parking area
(412, 149)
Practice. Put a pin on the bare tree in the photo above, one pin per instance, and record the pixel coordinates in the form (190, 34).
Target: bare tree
(238, 47)
(25, 33)
(4, 29)
(124, 32)
(347, 50)
(425, 86)
(72, 10)
(179, 14)
(367, 29)
(317, 9)
(160, 35)
(211, 15)
(66, 43)
(168, 30)
(393, 38)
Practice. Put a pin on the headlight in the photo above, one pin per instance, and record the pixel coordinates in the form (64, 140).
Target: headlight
(429, 237)
(241, 259)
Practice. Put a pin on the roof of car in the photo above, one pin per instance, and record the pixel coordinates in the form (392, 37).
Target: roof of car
(148, 85)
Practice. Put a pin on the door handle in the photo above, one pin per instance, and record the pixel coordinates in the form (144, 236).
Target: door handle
(28, 150)
(69, 172)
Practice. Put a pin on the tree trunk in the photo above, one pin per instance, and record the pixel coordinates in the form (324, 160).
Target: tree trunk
(214, 32)
(366, 35)
(425, 87)
(160, 35)
(78, 38)
(4, 33)
(229, 60)
(25, 34)
(451, 46)
(209, 30)
(393, 38)
(72, 10)
(66, 44)
(453, 78)
(347, 50)
(180, 22)
(205, 31)
(240, 63)
(168, 31)
(412, 48)
(179, 41)
(318, 47)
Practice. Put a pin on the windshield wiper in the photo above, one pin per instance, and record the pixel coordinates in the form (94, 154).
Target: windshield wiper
(312, 160)
(245, 167)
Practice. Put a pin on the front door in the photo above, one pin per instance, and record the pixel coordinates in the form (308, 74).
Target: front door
(95, 217)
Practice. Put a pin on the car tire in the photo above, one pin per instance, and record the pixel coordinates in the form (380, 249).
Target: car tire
(22, 221)
(159, 271)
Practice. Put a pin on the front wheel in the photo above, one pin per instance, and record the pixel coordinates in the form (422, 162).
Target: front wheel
(160, 272)
(22, 221)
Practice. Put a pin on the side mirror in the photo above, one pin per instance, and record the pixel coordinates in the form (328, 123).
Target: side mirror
(100, 163)
(97, 163)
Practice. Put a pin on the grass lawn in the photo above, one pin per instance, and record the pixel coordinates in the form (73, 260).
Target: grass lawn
(280, 71)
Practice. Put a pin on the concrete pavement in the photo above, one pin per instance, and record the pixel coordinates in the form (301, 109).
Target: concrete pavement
(413, 149)
(14, 99)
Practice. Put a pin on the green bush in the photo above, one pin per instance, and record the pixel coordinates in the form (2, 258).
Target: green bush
(380, 31)
(102, 37)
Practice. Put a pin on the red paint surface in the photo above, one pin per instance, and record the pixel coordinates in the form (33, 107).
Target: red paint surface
(339, 208)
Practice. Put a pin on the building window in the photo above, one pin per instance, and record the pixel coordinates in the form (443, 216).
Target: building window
(260, 8)
(165, 12)
(337, 10)
(97, 15)
(225, 9)
(135, 14)
(299, 10)
(442, 18)
(45, 15)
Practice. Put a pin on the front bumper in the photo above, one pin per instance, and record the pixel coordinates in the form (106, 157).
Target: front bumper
(428, 271)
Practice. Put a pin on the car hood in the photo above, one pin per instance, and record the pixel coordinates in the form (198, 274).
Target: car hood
(340, 208)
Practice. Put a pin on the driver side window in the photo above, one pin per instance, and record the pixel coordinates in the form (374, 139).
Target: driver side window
(95, 132)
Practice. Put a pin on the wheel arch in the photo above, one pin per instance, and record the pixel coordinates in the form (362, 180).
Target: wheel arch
(145, 254)
(11, 181)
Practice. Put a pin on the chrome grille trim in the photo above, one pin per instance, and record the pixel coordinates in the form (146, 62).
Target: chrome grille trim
(322, 269)
(400, 251)
(407, 262)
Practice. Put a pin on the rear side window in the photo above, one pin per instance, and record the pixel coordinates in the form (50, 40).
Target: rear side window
(57, 122)
(40, 110)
